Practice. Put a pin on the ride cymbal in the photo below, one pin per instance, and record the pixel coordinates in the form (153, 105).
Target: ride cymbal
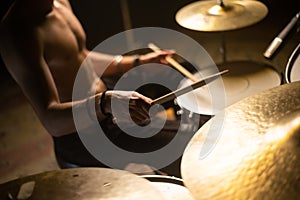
(222, 16)
(250, 151)
(80, 183)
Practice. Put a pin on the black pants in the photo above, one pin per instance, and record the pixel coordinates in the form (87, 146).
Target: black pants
(71, 152)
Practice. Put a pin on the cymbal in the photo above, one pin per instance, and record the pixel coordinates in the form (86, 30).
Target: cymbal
(228, 15)
(80, 183)
(250, 151)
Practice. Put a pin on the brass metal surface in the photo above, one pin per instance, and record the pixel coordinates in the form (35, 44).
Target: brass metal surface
(81, 183)
(230, 15)
(249, 151)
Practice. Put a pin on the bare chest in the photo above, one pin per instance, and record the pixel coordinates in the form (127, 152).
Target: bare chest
(63, 36)
(64, 48)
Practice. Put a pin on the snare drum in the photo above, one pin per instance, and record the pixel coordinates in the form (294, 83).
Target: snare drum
(243, 79)
(171, 188)
(292, 70)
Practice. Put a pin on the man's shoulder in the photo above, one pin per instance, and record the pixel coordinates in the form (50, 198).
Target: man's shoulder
(66, 3)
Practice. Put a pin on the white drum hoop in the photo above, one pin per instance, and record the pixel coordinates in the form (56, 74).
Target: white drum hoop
(290, 67)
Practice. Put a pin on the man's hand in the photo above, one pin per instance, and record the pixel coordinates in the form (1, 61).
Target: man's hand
(128, 106)
(156, 57)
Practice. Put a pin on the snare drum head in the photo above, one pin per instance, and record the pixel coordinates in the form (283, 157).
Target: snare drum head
(292, 72)
(243, 79)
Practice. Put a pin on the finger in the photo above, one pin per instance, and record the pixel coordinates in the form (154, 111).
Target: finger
(142, 105)
(140, 119)
(164, 61)
(167, 52)
(140, 111)
(144, 98)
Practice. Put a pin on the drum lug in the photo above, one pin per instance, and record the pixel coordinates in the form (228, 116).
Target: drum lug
(179, 112)
(191, 115)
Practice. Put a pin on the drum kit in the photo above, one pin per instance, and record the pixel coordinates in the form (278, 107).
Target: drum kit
(80, 183)
(254, 155)
(248, 150)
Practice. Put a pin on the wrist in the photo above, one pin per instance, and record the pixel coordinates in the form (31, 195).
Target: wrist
(117, 61)
(136, 60)
(104, 104)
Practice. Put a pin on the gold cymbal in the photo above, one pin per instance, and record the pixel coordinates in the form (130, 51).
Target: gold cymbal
(80, 183)
(211, 16)
(249, 151)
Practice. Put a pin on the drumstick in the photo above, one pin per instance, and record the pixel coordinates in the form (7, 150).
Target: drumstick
(174, 63)
(184, 90)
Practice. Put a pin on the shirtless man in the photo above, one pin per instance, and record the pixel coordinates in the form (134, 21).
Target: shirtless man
(43, 47)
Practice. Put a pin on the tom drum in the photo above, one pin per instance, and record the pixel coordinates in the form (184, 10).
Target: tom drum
(243, 79)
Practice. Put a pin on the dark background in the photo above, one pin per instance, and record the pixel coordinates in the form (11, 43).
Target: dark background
(103, 19)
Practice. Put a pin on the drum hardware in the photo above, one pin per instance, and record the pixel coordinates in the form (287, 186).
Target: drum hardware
(292, 70)
(255, 154)
(278, 39)
(181, 112)
(191, 114)
(81, 183)
(220, 15)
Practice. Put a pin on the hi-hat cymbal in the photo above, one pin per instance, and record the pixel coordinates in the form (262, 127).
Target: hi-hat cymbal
(250, 151)
(80, 183)
(211, 16)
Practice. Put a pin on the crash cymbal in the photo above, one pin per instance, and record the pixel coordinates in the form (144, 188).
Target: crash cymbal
(228, 15)
(80, 183)
(249, 151)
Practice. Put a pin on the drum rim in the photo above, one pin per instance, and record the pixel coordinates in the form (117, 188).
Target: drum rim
(164, 179)
(291, 61)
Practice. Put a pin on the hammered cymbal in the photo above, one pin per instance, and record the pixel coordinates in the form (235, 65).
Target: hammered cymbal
(249, 151)
(230, 15)
(80, 183)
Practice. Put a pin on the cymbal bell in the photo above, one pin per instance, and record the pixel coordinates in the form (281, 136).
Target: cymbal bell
(228, 15)
(80, 183)
(250, 151)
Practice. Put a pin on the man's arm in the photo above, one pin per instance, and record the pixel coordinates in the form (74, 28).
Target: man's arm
(110, 65)
(31, 72)
(25, 62)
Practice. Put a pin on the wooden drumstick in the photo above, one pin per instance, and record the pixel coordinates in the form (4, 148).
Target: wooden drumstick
(172, 95)
(174, 63)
